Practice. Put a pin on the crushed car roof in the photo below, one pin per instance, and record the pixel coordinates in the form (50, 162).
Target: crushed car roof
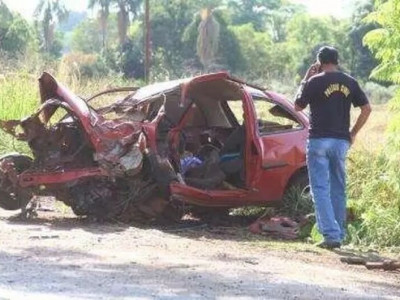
(154, 90)
(151, 90)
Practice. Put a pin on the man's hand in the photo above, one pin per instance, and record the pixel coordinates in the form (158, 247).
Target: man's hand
(313, 70)
(352, 138)
(361, 120)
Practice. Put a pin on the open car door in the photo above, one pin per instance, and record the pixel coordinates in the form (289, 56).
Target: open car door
(237, 196)
(282, 135)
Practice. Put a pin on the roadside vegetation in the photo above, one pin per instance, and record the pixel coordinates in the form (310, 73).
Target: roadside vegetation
(270, 43)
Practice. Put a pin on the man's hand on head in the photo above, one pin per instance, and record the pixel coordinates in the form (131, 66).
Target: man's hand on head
(313, 70)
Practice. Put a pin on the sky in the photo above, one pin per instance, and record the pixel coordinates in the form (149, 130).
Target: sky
(338, 8)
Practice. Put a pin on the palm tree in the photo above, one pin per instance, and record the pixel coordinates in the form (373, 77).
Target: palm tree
(124, 8)
(208, 38)
(48, 13)
(104, 12)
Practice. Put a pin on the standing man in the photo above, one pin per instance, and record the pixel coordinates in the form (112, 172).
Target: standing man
(330, 94)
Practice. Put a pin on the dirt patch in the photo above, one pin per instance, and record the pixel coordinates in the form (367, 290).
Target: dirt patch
(58, 256)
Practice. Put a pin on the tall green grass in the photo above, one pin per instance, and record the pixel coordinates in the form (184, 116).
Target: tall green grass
(18, 98)
(374, 180)
(374, 198)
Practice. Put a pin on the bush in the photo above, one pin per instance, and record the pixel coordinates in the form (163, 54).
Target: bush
(374, 197)
(378, 94)
(84, 65)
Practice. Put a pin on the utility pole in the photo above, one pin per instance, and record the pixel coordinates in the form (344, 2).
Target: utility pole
(147, 41)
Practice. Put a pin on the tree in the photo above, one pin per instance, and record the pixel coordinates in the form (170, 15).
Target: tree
(124, 8)
(104, 12)
(252, 11)
(385, 40)
(169, 20)
(47, 14)
(73, 20)
(6, 18)
(15, 33)
(19, 36)
(228, 56)
(384, 43)
(208, 38)
(87, 36)
(305, 34)
(278, 17)
(362, 60)
(256, 50)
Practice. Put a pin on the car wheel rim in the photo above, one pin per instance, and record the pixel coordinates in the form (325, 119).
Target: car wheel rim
(306, 192)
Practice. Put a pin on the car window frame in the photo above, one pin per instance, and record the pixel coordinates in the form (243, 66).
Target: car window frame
(230, 114)
(299, 121)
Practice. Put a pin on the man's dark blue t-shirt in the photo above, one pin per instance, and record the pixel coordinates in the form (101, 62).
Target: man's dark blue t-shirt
(330, 96)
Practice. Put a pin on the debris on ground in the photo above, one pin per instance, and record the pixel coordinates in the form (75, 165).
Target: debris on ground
(387, 265)
(43, 237)
(278, 227)
(383, 264)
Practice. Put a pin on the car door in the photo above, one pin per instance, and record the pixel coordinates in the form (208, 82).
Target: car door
(231, 197)
(282, 134)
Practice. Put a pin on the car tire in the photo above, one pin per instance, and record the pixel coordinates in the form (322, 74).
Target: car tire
(209, 214)
(302, 183)
(297, 198)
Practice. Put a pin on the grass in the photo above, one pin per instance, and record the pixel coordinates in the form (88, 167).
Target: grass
(373, 184)
(372, 138)
(374, 198)
(18, 98)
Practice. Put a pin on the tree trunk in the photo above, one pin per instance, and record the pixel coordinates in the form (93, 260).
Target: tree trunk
(103, 27)
(147, 41)
(208, 39)
(123, 24)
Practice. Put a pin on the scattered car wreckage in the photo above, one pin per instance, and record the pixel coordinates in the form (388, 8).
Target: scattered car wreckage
(209, 141)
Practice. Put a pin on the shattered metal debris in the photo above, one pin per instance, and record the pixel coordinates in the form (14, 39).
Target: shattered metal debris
(383, 264)
(278, 227)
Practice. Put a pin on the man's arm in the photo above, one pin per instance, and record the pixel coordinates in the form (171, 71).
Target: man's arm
(302, 97)
(361, 120)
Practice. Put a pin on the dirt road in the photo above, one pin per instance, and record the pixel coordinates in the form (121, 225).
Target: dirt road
(59, 257)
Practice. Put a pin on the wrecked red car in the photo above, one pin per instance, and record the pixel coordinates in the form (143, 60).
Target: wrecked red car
(207, 141)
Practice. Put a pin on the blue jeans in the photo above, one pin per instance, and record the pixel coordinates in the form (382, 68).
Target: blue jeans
(326, 158)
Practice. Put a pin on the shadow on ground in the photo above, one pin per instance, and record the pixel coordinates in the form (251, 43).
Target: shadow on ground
(227, 228)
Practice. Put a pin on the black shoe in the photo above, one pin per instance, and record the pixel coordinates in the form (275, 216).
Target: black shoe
(329, 245)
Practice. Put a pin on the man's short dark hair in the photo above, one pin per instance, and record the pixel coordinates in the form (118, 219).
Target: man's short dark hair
(328, 55)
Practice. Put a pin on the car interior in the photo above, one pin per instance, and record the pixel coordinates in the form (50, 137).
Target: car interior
(209, 129)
